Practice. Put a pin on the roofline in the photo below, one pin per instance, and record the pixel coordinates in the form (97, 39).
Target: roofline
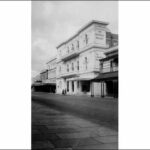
(43, 71)
(51, 59)
(83, 28)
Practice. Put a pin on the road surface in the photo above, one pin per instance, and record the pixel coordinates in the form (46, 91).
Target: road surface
(54, 128)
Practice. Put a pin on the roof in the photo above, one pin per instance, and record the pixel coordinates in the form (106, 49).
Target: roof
(83, 28)
(106, 76)
(43, 71)
(111, 53)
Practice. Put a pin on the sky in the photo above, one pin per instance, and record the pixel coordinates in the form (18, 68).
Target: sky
(55, 21)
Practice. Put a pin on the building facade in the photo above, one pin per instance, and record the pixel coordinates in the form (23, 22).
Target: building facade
(44, 75)
(46, 81)
(51, 81)
(78, 59)
(108, 76)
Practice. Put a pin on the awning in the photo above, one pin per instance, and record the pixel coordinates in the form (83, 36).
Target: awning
(106, 76)
(43, 84)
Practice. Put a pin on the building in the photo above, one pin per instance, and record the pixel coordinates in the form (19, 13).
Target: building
(36, 83)
(51, 81)
(78, 59)
(44, 75)
(108, 76)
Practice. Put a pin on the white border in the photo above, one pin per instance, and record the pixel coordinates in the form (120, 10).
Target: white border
(134, 75)
(15, 75)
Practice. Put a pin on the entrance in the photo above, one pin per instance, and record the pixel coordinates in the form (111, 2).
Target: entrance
(112, 88)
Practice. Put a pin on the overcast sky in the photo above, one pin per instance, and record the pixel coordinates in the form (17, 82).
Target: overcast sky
(55, 21)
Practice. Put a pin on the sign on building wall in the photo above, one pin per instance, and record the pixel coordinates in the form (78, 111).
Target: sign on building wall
(100, 37)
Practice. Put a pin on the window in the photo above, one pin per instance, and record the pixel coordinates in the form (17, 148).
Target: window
(86, 39)
(72, 67)
(67, 67)
(60, 52)
(86, 62)
(68, 49)
(77, 44)
(73, 86)
(77, 65)
(67, 86)
(72, 47)
(101, 66)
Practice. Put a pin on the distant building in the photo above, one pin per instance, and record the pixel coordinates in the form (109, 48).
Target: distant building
(37, 78)
(78, 59)
(51, 81)
(44, 75)
(108, 76)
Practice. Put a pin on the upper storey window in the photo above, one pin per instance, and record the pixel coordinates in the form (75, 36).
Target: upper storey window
(68, 49)
(72, 48)
(72, 67)
(86, 63)
(67, 67)
(101, 66)
(77, 44)
(86, 38)
(77, 65)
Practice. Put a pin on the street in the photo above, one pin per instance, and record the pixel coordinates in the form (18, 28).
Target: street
(62, 122)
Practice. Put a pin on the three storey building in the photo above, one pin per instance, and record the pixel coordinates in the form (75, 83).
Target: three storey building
(78, 59)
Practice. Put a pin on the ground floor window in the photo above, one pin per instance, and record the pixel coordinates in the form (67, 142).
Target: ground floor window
(72, 86)
(85, 86)
(67, 86)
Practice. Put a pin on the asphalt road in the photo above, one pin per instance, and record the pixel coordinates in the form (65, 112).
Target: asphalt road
(60, 130)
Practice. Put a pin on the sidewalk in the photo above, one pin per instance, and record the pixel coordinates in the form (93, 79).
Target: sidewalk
(56, 130)
(98, 110)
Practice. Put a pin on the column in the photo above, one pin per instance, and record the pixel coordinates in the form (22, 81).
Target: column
(80, 88)
(75, 87)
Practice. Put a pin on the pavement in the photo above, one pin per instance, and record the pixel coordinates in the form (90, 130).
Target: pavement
(54, 129)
